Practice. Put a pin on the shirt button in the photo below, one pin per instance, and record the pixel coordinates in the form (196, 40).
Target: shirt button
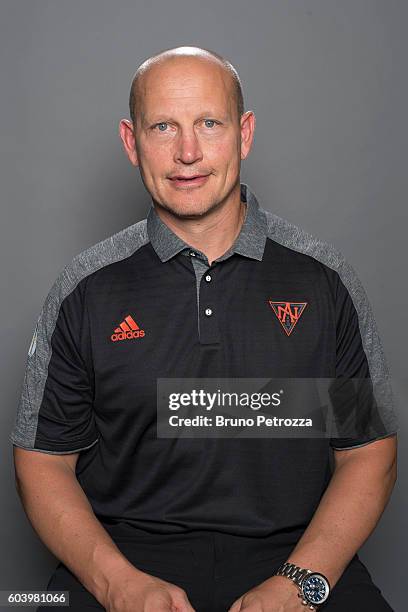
(208, 277)
(192, 254)
(208, 312)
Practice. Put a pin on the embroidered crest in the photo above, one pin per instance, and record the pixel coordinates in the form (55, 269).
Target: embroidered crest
(288, 313)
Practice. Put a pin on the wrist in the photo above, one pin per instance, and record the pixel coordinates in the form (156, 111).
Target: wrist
(109, 567)
(313, 587)
(287, 589)
(124, 582)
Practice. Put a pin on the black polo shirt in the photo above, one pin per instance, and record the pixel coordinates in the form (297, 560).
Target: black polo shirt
(143, 305)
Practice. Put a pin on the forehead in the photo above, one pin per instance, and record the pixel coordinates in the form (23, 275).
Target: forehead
(185, 84)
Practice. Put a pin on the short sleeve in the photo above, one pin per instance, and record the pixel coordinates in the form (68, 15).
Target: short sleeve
(55, 413)
(362, 395)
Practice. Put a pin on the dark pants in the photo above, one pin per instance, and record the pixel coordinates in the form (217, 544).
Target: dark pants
(215, 569)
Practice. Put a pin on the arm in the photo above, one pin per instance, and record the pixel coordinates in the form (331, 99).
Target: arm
(55, 420)
(348, 512)
(364, 476)
(60, 513)
(359, 490)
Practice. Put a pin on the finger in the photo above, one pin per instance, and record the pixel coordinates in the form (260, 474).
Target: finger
(236, 606)
(181, 603)
(185, 607)
(158, 606)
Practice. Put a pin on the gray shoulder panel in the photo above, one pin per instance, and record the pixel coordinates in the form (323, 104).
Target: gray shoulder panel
(110, 250)
(51, 452)
(294, 237)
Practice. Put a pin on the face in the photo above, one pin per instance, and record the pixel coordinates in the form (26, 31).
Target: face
(187, 125)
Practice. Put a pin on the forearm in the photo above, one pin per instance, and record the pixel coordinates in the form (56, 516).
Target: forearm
(62, 516)
(347, 514)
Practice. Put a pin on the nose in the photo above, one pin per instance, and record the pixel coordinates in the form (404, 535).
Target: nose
(188, 149)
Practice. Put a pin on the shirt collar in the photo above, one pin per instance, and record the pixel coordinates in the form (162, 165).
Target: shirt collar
(250, 242)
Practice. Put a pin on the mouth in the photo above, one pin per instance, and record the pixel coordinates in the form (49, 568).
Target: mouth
(189, 181)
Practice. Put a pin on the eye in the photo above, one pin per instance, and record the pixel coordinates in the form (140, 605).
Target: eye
(159, 124)
(164, 123)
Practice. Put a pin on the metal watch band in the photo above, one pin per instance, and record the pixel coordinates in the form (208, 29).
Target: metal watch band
(293, 572)
(297, 575)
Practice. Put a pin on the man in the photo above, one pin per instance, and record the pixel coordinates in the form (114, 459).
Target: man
(209, 285)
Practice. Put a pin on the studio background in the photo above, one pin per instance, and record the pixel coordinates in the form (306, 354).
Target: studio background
(326, 80)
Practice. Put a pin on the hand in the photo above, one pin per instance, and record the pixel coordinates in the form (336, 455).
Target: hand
(137, 591)
(276, 594)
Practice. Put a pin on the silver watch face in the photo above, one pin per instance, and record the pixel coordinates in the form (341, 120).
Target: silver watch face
(315, 588)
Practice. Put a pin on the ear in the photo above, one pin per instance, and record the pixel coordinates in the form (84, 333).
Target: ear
(248, 122)
(127, 135)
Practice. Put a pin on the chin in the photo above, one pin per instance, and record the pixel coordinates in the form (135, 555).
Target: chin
(188, 210)
(187, 205)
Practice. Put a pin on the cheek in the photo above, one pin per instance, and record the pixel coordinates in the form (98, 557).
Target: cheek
(157, 156)
(222, 151)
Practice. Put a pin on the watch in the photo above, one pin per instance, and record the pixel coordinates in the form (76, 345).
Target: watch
(314, 588)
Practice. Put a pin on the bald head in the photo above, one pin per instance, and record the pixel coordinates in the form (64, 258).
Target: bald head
(193, 54)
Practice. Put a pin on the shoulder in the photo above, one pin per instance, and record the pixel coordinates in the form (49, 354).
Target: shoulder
(293, 237)
(108, 251)
(348, 290)
(115, 248)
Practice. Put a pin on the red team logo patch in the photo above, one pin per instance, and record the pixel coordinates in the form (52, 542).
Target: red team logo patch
(288, 313)
(127, 330)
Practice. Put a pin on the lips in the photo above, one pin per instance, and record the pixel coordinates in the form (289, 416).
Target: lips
(182, 182)
(187, 178)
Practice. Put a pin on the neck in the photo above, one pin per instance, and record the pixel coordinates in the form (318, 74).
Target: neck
(214, 233)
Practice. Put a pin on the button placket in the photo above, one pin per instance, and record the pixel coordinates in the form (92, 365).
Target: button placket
(208, 311)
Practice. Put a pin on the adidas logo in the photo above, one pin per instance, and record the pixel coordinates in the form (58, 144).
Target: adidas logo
(127, 330)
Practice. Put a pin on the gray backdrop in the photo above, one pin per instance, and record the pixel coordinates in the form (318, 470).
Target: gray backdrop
(327, 82)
